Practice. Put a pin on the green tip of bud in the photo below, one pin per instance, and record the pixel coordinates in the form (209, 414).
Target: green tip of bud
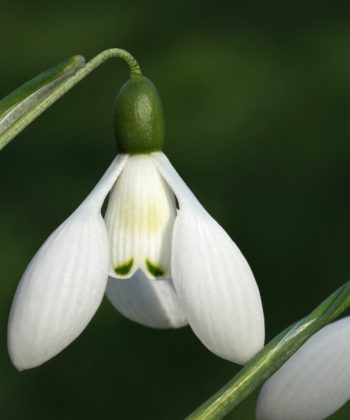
(138, 117)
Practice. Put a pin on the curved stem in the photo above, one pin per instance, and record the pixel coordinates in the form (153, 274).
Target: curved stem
(272, 357)
(135, 70)
(32, 103)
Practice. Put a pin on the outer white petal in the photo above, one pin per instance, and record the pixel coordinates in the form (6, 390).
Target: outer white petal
(149, 302)
(64, 283)
(314, 382)
(214, 283)
(139, 219)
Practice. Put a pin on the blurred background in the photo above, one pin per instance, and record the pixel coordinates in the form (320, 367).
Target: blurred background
(257, 106)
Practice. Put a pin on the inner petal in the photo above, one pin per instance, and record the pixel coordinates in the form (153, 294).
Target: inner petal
(139, 219)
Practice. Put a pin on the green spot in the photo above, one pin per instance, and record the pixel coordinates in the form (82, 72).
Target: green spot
(124, 269)
(154, 269)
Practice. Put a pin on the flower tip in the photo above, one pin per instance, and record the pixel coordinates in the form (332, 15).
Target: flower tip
(21, 357)
(20, 368)
(249, 352)
(24, 352)
(243, 352)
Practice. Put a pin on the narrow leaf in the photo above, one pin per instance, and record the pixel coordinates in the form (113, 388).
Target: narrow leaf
(22, 106)
(30, 100)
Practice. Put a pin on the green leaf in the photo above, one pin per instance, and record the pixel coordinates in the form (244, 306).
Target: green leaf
(22, 106)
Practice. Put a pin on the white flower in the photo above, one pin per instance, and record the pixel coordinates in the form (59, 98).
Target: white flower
(314, 382)
(167, 262)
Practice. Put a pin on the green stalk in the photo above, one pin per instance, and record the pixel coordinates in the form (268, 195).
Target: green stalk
(272, 357)
(26, 103)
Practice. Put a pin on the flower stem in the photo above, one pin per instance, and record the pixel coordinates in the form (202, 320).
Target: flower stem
(30, 100)
(272, 357)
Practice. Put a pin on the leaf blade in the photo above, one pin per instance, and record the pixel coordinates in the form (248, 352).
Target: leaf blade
(16, 109)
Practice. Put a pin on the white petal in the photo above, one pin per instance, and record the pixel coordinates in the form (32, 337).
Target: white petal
(149, 302)
(314, 382)
(212, 279)
(139, 219)
(64, 283)
(184, 195)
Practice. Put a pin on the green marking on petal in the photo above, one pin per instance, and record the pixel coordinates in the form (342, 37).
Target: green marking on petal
(124, 269)
(154, 269)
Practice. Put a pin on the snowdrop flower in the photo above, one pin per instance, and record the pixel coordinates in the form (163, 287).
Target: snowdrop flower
(162, 260)
(314, 382)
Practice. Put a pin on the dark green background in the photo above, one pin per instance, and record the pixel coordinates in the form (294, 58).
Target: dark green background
(257, 105)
